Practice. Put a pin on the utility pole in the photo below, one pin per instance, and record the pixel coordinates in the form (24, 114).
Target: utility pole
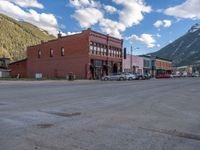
(131, 59)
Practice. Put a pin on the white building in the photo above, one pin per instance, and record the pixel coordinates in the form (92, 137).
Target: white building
(133, 64)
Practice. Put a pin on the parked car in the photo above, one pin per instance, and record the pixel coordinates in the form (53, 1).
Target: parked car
(139, 76)
(130, 76)
(184, 74)
(115, 76)
(147, 76)
(176, 75)
(195, 75)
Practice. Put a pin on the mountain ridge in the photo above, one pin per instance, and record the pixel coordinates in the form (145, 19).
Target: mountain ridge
(185, 50)
(16, 36)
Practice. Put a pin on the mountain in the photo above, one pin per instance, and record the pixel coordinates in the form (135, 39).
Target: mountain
(15, 36)
(185, 50)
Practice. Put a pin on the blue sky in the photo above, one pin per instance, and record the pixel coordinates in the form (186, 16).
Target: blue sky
(145, 24)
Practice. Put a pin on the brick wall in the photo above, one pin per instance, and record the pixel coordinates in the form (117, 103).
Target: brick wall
(19, 67)
(162, 64)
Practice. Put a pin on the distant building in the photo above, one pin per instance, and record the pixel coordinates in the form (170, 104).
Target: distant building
(88, 54)
(196, 67)
(133, 64)
(147, 61)
(4, 71)
(161, 66)
(184, 70)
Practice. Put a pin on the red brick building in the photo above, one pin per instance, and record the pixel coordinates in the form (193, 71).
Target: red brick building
(18, 68)
(162, 66)
(88, 54)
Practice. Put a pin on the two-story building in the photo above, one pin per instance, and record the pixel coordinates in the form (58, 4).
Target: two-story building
(87, 55)
(161, 66)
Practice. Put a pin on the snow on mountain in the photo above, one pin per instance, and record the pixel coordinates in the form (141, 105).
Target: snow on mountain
(194, 28)
(184, 50)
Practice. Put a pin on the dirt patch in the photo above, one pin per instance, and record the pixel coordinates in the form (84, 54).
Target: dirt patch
(176, 133)
(44, 125)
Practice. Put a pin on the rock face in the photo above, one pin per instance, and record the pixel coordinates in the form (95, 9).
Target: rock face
(185, 50)
(15, 36)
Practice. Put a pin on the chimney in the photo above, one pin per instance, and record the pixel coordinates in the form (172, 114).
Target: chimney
(59, 35)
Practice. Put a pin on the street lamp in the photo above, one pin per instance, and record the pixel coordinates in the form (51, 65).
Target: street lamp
(132, 57)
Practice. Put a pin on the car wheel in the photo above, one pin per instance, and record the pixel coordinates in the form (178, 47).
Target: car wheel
(130, 79)
(140, 78)
(121, 78)
(106, 79)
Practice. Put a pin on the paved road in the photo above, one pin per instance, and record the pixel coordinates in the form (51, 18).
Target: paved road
(95, 115)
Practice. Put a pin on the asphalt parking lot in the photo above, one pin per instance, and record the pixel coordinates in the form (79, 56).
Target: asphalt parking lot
(95, 115)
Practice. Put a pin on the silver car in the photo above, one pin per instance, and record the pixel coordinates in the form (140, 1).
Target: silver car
(130, 76)
(115, 76)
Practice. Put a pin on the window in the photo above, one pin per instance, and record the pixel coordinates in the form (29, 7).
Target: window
(51, 52)
(109, 51)
(98, 47)
(95, 46)
(102, 47)
(112, 51)
(117, 52)
(91, 46)
(39, 53)
(98, 63)
(120, 52)
(105, 47)
(62, 51)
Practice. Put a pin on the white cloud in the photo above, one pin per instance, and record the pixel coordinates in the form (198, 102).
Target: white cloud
(90, 12)
(133, 11)
(158, 24)
(72, 33)
(112, 27)
(187, 10)
(83, 3)
(162, 23)
(110, 9)
(44, 21)
(88, 16)
(167, 23)
(27, 3)
(68, 33)
(87, 12)
(146, 39)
